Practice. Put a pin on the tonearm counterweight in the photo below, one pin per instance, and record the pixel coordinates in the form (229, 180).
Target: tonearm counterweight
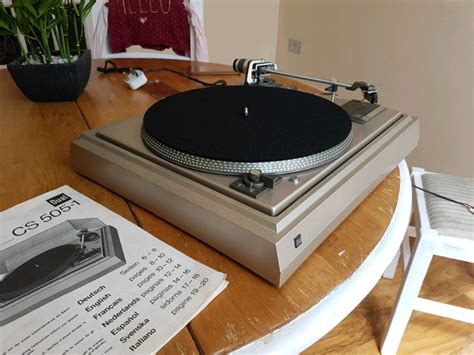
(256, 70)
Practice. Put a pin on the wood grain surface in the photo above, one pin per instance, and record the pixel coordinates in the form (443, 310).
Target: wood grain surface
(449, 281)
(35, 159)
(34, 146)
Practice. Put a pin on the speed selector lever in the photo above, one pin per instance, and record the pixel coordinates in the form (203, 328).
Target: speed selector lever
(255, 183)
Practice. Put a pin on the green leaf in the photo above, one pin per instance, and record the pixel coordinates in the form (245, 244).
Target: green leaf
(47, 6)
(6, 26)
(88, 8)
(39, 20)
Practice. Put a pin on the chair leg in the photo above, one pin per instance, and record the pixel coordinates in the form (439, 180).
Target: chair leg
(390, 271)
(416, 271)
(405, 251)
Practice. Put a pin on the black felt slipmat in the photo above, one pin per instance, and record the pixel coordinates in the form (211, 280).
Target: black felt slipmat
(38, 270)
(281, 123)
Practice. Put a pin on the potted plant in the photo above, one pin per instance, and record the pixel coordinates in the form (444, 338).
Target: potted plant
(53, 65)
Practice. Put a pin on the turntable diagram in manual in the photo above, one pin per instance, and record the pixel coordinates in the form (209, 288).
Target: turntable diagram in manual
(77, 278)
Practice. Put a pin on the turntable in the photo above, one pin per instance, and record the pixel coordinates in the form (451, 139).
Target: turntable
(260, 172)
(55, 262)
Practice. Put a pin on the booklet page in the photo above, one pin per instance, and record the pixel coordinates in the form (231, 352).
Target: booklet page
(77, 278)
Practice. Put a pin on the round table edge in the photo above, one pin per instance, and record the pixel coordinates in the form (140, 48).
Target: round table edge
(317, 321)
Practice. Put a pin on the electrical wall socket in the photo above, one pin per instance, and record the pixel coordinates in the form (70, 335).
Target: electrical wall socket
(294, 46)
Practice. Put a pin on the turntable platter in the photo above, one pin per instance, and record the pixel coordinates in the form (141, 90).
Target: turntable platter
(232, 129)
(38, 270)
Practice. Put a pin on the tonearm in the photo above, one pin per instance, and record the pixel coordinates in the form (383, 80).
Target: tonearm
(256, 70)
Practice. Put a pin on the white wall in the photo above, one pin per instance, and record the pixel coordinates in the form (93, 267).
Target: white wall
(419, 52)
(241, 29)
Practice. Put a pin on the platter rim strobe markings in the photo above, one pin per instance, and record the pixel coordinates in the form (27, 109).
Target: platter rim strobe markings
(165, 131)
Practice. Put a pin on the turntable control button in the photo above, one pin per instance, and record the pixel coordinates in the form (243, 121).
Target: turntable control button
(254, 175)
(252, 182)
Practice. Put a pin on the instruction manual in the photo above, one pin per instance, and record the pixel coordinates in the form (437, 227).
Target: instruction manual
(77, 278)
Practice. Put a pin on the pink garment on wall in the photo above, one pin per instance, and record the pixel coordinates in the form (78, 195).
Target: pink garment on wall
(157, 24)
(100, 44)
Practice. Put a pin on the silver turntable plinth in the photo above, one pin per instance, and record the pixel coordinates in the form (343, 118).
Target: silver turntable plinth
(271, 235)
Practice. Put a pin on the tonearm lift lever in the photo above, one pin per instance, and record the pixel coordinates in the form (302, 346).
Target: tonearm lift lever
(256, 70)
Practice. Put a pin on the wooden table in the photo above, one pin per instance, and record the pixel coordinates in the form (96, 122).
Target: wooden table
(34, 146)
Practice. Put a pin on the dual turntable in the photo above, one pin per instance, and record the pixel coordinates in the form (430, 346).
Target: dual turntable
(47, 265)
(260, 172)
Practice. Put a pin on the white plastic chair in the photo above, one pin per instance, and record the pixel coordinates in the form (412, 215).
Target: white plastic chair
(442, 228)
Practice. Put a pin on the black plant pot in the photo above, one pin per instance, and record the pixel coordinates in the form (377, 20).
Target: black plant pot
(52, 82)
